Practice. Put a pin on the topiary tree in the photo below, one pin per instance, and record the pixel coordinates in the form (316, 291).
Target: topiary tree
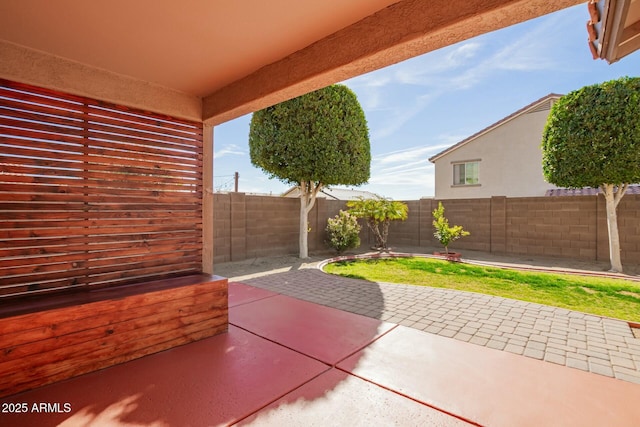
(379, 212)
(592, 139)
(311, 141)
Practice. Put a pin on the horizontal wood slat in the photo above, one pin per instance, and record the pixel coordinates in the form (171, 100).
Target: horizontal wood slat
(36, 167)
(92, 243)
(94, 194)
(167, 196)
(35, 342)
(97, 154)
(44, 125)
(100, 124)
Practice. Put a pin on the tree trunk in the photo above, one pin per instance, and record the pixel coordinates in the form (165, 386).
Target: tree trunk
(385, 233)
(308, 192)
(304, 230)
(612, 199)
(373, 226)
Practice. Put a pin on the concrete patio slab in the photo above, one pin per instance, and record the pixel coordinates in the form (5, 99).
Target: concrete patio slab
(491, 387)
(216, 381)
(337, 398)
(324, 333)
(239, 294)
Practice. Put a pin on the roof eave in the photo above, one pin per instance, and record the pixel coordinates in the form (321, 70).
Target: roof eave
(611, 36)
(495, 125)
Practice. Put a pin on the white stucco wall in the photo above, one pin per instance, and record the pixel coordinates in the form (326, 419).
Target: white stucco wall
(510, 161)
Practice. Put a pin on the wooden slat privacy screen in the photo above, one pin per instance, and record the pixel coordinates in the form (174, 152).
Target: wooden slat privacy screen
(94, 194)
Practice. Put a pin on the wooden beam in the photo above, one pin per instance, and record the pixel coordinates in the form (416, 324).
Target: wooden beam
(403, 30)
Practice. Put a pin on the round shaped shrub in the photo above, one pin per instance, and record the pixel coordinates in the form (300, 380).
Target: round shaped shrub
(344, 232)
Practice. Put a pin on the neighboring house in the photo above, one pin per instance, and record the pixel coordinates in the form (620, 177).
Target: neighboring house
(334, 193)
(504, 159)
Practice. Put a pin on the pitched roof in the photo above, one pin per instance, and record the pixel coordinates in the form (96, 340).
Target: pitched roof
(528, 109)
(347, 194)
(587, 191)
(335, 193)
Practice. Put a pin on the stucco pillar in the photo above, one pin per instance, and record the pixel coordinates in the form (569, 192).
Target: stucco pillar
(207, 199)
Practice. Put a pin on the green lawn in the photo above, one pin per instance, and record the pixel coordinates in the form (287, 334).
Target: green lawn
(616, 298)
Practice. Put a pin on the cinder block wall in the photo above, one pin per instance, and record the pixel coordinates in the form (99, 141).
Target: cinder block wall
(570, 227)
(407, 232)
(254, 226)
(559, 226)
(221, 227)
(473, 214)
(271, 226)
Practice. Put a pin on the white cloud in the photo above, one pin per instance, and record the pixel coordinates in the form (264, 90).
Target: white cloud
(530, 51)
(405, 166)
(448, 139)
(432, 72)
(406, 184)
(465, 51)
(428, 70)
(414, 176)
(229, 149)
(399, 115)
(408, 154)
(392, 92)
(370, 88)
(407, 173)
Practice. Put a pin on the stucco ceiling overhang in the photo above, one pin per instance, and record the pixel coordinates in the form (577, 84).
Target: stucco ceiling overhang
(215, 60)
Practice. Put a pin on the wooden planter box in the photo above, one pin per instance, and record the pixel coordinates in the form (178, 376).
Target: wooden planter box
(53, 338)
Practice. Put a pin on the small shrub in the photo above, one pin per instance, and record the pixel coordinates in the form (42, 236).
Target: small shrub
(344, 232)
(443, 232)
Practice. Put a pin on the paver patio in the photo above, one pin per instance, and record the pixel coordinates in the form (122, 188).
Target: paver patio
(591, 343)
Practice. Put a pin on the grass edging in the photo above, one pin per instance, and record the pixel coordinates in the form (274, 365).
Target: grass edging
(519, 267)
(535, 290)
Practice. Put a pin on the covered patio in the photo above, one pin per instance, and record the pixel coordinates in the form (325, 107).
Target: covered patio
(108, 296)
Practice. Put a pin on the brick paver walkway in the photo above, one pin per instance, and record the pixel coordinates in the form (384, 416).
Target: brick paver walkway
(577, 340)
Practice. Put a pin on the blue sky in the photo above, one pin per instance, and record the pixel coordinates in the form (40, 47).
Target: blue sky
(421, 106)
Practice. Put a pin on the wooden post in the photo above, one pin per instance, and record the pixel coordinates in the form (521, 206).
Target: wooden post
(207, 199)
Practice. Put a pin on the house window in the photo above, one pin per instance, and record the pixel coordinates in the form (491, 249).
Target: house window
(465, 173)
